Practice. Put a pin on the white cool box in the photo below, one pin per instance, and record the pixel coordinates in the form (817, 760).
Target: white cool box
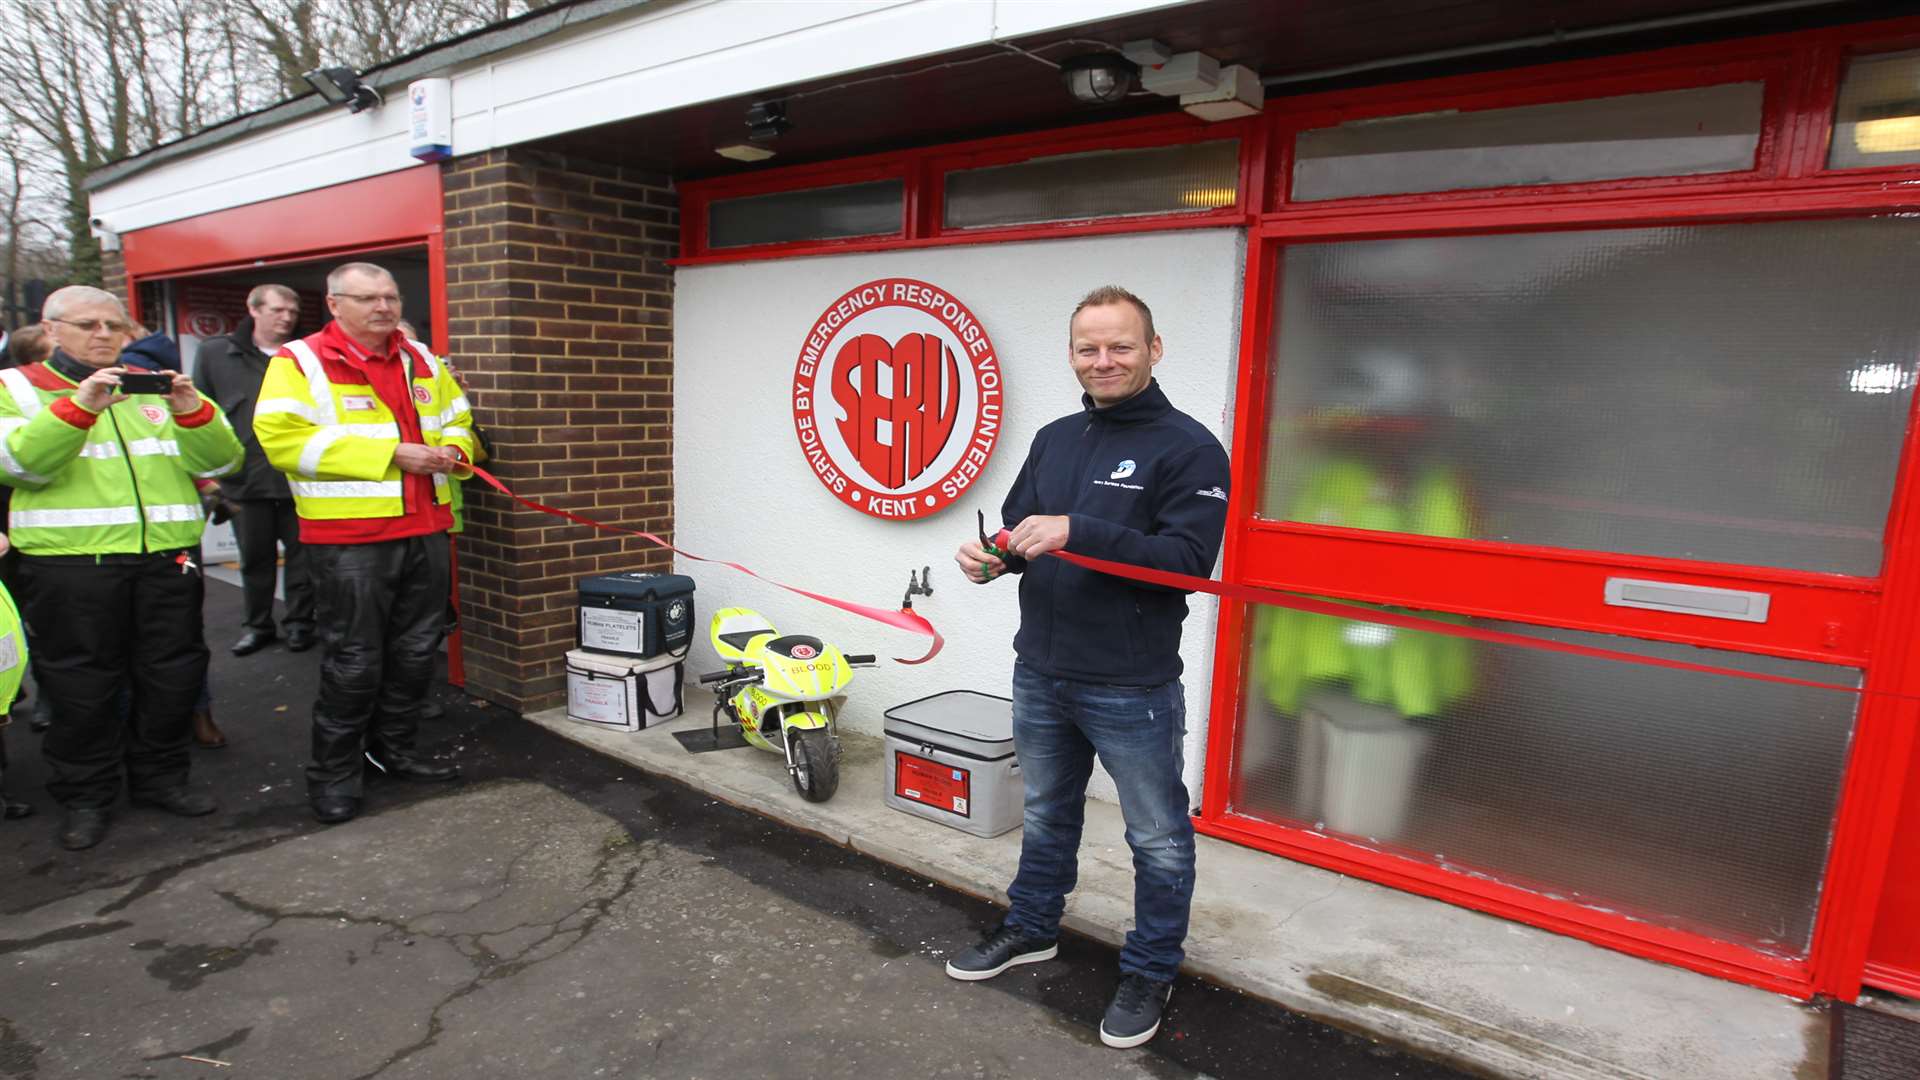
(950, 759)
(620, 692)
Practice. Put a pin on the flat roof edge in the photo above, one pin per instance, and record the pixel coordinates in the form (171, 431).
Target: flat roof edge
(483, 42)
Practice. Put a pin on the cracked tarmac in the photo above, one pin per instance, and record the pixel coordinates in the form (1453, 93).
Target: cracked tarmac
(556, 915)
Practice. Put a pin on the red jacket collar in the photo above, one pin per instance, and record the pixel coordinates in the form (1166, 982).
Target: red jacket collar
(331, 342)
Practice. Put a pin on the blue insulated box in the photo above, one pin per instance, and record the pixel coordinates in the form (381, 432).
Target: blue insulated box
(636, 614)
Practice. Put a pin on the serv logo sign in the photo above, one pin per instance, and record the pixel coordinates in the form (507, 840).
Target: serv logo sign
(896, 398)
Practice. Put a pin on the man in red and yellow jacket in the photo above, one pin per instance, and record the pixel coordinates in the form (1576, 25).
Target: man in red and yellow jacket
(370, 429)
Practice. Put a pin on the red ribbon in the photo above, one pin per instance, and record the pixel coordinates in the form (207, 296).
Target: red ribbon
(1258, 595)
(904, 619)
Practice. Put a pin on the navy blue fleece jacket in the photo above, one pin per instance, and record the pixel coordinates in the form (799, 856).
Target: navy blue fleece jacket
(1140, 482)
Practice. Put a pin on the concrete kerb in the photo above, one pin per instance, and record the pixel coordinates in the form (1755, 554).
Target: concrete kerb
(1478, 992)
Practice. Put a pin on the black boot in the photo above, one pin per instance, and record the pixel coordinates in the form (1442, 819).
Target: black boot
(9, 809)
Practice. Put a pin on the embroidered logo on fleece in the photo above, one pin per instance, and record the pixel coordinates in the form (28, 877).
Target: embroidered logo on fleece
(1212, 493)
(1123, 470)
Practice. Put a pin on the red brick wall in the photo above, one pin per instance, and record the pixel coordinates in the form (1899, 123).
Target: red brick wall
(560, 303)
(113, 276)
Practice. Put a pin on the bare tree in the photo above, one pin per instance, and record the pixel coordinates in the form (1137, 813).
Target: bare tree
(114, 78)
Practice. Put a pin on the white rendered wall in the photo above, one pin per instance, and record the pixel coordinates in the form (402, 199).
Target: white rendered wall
(744, 492)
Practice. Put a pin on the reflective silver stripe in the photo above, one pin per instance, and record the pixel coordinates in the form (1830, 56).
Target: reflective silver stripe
(165, 512)
(100, 450)
(212, 473)
(455, 433)
(284, 405)
(433, 362)
(320, 440)
(24, 395)
(76, 519)
(12, 465)
(151, 447)
(317, 385)
(440, 481)
(7, 461)
(436, 367)
(347, 489)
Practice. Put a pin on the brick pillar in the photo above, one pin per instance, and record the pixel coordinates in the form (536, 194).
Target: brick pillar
(113, 278)
(560, 305)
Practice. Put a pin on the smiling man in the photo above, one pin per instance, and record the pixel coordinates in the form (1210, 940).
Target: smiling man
(107, 521)
(1097, 666)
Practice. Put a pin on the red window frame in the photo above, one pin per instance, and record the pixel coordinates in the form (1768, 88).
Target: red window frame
(924, 172)
(1832, 74)
(1877, 616)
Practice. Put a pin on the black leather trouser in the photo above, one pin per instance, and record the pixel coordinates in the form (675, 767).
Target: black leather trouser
(101, 627)
(382, 607)
(260, 526)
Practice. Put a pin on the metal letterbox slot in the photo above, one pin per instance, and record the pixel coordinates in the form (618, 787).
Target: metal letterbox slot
(1737, 604)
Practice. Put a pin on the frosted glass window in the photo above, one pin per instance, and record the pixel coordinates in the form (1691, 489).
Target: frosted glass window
(1696, 802)
(1877, 117)
(1104, 183)
(1669, 133)
(1729, 393)
(828, 213)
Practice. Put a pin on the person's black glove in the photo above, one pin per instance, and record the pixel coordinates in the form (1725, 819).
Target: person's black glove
(218, 509)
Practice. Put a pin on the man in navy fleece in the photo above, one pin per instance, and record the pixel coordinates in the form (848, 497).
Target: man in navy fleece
(1097, 667)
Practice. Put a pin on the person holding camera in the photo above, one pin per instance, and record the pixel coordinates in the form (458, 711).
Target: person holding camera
(107, 519)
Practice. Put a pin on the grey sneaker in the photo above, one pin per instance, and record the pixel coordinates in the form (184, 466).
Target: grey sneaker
(998, 951)
(1134, 1015)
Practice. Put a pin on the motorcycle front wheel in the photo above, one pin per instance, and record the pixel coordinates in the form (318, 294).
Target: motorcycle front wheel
(816, 768)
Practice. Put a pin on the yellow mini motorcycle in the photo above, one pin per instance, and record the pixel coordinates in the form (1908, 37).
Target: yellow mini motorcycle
(781, 693)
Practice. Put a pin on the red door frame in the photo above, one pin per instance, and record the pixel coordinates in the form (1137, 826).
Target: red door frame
(1876, 616)
(401, 209)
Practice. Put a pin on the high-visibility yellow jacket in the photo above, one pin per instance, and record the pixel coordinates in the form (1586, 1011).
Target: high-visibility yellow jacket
(13, 651)
(120, 483)
(1414, 672)
(321, 423)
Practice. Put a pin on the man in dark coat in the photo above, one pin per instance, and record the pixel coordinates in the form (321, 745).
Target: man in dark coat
(228, 370)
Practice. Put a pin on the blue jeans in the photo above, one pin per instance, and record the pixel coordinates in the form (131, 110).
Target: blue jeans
(1058, 727)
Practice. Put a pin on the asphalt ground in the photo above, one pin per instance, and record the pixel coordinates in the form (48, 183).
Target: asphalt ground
(721, 943)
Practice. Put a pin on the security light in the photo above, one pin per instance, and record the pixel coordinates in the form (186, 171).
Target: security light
(767, 121)
(1098, 78)
(341, 86)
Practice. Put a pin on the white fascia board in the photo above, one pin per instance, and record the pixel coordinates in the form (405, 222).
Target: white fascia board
(662, 57)
(312, 152)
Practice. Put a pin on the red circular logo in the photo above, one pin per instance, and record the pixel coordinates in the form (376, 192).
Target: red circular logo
(897, 398)
(803, 652)
(421, 395)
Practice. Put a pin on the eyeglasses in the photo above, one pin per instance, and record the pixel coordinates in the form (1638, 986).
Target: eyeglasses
(371, 299)
(94, 326)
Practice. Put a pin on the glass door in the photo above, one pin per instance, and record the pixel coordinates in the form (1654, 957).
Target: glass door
(1678, 440)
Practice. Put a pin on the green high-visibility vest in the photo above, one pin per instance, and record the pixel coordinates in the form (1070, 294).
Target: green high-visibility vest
(1412, 672)
(13, 652)
(123, 486)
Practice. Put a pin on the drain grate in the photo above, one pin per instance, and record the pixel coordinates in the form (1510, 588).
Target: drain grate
(1873, 1045)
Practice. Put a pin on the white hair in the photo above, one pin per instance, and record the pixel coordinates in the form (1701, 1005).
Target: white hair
(64, 300)
(338, 275)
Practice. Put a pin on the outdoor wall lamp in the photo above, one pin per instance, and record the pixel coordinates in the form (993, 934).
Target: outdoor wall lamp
(1098, 78)
(341, 86)
(767, 121)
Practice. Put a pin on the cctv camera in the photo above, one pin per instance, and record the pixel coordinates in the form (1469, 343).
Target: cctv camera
(97, 222)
